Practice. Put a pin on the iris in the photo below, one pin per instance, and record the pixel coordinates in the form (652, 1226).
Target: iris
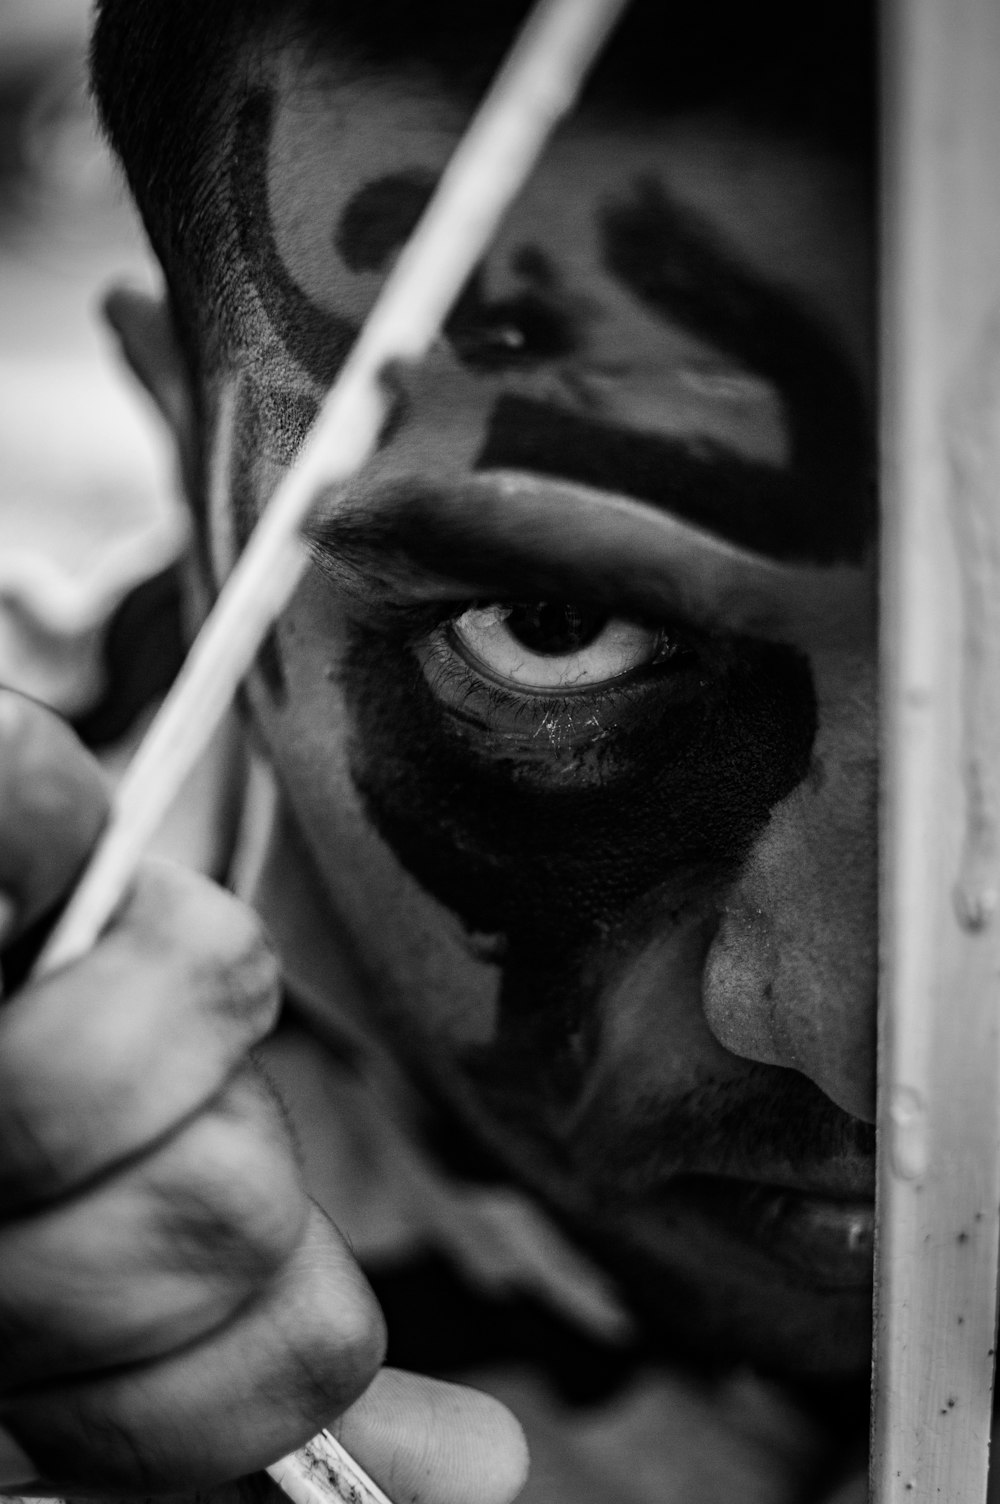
(552, 646)
(554, 628)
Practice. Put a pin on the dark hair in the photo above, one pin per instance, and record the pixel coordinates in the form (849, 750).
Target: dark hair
(166, 72)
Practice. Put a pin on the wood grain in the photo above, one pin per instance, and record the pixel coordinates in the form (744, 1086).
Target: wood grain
(939, 1094)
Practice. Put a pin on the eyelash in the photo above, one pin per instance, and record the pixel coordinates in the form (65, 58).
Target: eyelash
(477, 703)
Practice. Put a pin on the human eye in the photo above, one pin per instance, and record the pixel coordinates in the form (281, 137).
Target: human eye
(552, 674)
(545, 646)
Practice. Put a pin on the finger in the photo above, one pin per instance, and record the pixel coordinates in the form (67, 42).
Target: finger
(251, 1393)
(53, 803)
(435, 1443)
(158, 1255)
(99, 1061)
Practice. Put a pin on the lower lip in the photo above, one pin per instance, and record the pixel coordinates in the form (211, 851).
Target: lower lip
(828, 1243)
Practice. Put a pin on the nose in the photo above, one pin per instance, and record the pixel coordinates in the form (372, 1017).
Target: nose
(790, 978)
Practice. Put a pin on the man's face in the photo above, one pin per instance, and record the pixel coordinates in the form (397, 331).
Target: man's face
(575, 709)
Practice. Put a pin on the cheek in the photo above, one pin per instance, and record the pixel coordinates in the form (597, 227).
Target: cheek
(791, 979)
(431, 983)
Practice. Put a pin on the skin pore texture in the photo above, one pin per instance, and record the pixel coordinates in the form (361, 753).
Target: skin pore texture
(590, 803)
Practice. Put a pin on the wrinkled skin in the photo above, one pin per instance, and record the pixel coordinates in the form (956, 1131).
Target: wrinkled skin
(612, 893)
(174, 1310)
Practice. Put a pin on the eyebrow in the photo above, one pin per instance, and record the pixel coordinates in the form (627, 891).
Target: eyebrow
(819, 508)
(411, 542)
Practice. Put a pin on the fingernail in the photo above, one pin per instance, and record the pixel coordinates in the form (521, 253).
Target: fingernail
(16, 1468)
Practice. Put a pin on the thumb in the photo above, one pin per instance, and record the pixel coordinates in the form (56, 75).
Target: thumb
(427, 1442)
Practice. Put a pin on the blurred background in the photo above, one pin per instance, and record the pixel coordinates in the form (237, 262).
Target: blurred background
(90, 600)
(86, 506)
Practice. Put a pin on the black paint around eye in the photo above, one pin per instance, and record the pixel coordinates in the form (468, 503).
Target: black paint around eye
(555, 629)
(559, 869)
(315, 337)
(681, 787)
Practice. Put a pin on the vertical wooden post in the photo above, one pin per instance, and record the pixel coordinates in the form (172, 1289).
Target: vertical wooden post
(939, 1112)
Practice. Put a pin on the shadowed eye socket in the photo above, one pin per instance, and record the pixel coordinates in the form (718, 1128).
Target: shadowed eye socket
(553, 646)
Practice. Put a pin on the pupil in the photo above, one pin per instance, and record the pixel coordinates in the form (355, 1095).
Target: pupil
(554, 629)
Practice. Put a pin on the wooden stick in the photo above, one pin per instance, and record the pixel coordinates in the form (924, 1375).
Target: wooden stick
(322, 1471)
(536, 86)
(939, 1110)
(534, 89)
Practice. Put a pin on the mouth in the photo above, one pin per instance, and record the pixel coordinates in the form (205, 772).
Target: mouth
(821, 1240)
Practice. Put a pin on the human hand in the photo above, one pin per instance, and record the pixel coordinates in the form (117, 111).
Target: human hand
(174, 1311)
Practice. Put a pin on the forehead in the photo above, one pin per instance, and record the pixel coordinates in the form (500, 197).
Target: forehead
(789, 212)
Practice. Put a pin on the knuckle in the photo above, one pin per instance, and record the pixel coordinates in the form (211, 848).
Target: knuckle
(361, 1338)
(331, 1328)
(346, 1332)
(239, 1242)
(254, 975)
(234, 1204)
(224, 948)
(339, 1359)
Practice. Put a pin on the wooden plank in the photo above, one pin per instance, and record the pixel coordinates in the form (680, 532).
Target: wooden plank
(939, 1094)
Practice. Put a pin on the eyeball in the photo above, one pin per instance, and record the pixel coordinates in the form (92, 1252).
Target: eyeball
(546, 646)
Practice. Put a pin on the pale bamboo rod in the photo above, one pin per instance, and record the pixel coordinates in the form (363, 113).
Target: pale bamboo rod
(536, 86)
(534, 89)
(323, 1472)
(939, 1068)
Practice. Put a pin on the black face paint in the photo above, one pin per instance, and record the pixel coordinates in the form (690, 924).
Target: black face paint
(269, 423)
(685, 778)
(380, 217)
(685, 784)
(574, 877)
(674, 266)
(487, 336)
(751, 504)
(317, 339)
